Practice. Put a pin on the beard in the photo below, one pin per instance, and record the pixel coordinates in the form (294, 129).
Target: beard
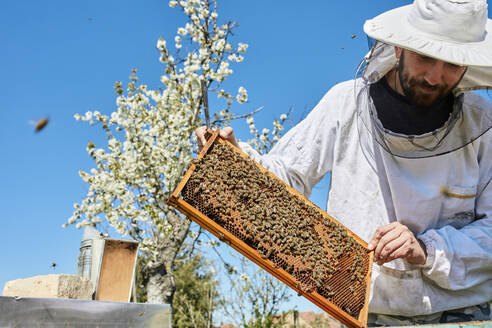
(420, 92)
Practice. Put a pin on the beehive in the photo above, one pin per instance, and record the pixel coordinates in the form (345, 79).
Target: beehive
(246, 206)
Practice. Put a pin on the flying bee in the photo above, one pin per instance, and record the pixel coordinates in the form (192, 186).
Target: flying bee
(53, 265)
(40, 124)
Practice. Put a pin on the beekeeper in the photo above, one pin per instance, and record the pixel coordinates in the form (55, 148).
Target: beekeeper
(409, 149)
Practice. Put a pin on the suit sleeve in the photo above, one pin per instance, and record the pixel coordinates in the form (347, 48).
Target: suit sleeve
(459, 259)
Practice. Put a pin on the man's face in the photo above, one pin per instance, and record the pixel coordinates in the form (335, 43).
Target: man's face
(426, 80)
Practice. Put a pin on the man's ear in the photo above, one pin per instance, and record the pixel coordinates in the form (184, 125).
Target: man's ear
(398, 51)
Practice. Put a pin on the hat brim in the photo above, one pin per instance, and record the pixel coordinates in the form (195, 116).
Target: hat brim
(393, 28)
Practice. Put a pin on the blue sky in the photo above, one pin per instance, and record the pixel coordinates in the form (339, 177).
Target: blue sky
(63, 57)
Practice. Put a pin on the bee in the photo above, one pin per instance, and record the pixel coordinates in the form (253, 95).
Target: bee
(41, 124)
(53, 265)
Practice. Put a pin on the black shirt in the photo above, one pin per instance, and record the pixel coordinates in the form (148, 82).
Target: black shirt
(398, 114)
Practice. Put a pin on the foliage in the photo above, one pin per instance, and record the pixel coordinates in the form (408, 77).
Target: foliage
(141, 279)
(255, 297)
(196, 295)
(265, 140)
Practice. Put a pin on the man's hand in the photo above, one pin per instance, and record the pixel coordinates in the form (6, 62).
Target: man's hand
(395, 240)
(227, 133)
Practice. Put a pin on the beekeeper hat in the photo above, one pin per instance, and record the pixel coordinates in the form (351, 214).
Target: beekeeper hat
(453, 31)
(456, 32)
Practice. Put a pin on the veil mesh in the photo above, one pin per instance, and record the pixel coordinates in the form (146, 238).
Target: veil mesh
(471, 115)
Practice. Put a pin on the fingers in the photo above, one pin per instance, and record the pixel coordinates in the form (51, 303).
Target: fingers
(200, 137)
(400, 252)
(392, 249)
(394, 241)
(380, 232)
(388, 239)
(228, 134)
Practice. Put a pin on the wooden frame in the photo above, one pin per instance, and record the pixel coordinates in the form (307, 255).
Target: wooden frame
(243, 248)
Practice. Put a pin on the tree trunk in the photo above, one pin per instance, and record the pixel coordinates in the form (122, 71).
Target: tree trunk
(161, 284)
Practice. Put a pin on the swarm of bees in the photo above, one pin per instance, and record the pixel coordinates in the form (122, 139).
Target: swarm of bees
(281, 226)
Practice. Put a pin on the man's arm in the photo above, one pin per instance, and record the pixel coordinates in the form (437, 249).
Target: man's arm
(453, 258)
(461, 258)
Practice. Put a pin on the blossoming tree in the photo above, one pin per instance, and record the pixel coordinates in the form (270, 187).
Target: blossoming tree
(149, 141)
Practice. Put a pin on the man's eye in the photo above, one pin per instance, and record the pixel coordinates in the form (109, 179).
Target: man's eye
(453, 66)
(426, 59)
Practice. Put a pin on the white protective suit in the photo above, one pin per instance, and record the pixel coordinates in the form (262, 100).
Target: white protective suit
(370, 191)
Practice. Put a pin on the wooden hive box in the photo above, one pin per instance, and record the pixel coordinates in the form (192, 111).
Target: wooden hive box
(116, 270)
(253, 211)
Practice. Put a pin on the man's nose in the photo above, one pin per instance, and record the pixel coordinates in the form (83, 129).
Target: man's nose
(434, 73)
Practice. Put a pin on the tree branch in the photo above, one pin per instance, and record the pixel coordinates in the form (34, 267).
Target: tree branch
(239, 116)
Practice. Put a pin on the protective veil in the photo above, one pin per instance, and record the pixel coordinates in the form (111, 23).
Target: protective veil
(433, 28)
(465, 125)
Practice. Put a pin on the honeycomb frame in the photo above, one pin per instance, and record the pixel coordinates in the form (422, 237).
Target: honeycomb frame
(339, 302)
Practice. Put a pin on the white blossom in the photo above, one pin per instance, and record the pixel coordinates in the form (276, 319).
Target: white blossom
(244, 277)
(242, 96)
(161, 44)
(242, 47)
(148, 134)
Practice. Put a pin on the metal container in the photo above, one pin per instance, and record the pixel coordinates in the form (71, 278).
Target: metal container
(70, 313)
(84, 261)
(89, 259)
